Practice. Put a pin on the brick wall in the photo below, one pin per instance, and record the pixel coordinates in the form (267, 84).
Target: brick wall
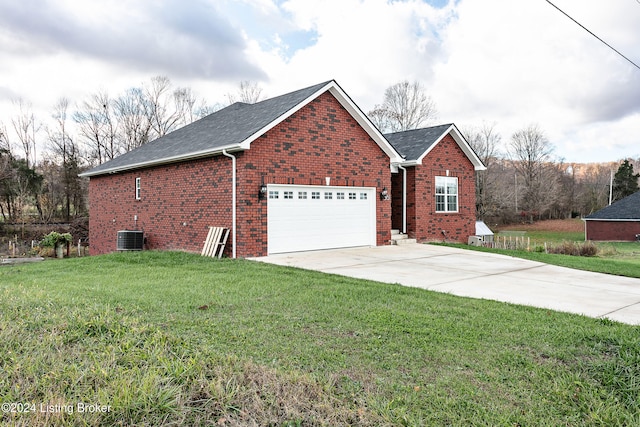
(321, 140)
(180, 201)
(612, 230)
(423, 222)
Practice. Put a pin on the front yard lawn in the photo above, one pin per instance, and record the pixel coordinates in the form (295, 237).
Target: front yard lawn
(155, 338)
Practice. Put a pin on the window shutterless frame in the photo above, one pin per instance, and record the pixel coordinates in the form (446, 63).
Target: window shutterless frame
(138, 188)
(446, 194)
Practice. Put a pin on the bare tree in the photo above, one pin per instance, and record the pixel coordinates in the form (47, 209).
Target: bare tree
(248, 92)
(68, 165)
(24, 124)
(133, 123)
(97, 126)
(406, 106)
(185, 102)
(531, 152)
(166, 108)
(485, 141)
(593, 189)
(203, 109)
(161, 115)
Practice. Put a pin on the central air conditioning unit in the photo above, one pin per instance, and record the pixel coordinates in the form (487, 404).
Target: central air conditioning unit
(130, 240)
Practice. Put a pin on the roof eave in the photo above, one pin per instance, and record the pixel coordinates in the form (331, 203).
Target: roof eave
(346, 102)
(462, 143)
(166, 160)
(364, 121)
(409, 163)
(613, 220)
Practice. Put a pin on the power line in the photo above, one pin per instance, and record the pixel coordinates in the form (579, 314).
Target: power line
(590, 32)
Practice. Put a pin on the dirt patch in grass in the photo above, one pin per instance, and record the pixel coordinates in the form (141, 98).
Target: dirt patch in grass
(555, 225)
(249, 394)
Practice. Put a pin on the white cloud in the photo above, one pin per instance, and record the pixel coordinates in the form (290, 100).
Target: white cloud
(366, 46)
(524, 62)
(513, 63)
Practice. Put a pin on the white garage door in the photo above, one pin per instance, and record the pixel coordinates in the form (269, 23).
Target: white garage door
(303, 218)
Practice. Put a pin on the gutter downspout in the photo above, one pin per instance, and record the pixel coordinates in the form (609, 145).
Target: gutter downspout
(233, 200)
(404, 199)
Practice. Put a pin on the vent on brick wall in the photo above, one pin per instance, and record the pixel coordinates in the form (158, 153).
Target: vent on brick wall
(130, 240)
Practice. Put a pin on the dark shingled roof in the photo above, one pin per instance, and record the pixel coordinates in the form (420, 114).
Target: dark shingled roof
(627, 208)
(226, 128)
(412, 144)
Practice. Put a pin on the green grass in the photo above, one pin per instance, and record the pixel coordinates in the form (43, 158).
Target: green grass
(176, 339)
(617, 264)
(619, 258)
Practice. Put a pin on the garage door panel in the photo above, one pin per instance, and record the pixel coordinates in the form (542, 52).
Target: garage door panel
(315, 217)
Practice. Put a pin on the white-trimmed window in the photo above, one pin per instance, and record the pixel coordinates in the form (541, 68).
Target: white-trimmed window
(302, 195)
(340, 196)
(328, 195)
(363, 196)
(273, 194)
(352, 196)
(315, 195)
(446, 194)
(288, 194)
(138, 188)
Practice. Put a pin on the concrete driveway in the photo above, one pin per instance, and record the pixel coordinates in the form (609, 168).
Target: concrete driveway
(480, 275)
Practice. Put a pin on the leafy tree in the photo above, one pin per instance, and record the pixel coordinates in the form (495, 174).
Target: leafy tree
(625, 182)
(20, 186)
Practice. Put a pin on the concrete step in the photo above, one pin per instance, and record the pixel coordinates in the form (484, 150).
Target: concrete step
(406, 241)
(399, 236)
(400, 239)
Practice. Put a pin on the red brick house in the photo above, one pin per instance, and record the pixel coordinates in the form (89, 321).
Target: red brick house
(619, 221)
(433, 194)
(310, 171)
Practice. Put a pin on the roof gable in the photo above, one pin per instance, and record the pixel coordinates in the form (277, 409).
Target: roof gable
(234, 128)
(414, 145)
(627, 209)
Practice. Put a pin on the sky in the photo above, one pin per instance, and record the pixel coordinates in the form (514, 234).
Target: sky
(504, 63)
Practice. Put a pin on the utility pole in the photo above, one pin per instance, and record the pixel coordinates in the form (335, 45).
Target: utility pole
(515, 176)
(611, 188)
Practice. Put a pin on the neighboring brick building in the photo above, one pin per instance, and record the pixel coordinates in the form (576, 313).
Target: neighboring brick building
(619, 221)
(311, 173)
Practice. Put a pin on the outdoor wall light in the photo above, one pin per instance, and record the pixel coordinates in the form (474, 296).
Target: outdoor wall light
(263, 192)
(384, 195)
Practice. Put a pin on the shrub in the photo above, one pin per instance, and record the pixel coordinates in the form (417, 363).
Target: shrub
(565, 248)
(588, 248)
(54, 239)
(575, 249)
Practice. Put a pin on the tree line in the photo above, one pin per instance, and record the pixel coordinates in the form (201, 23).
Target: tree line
(45, 186)
(523, 180)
